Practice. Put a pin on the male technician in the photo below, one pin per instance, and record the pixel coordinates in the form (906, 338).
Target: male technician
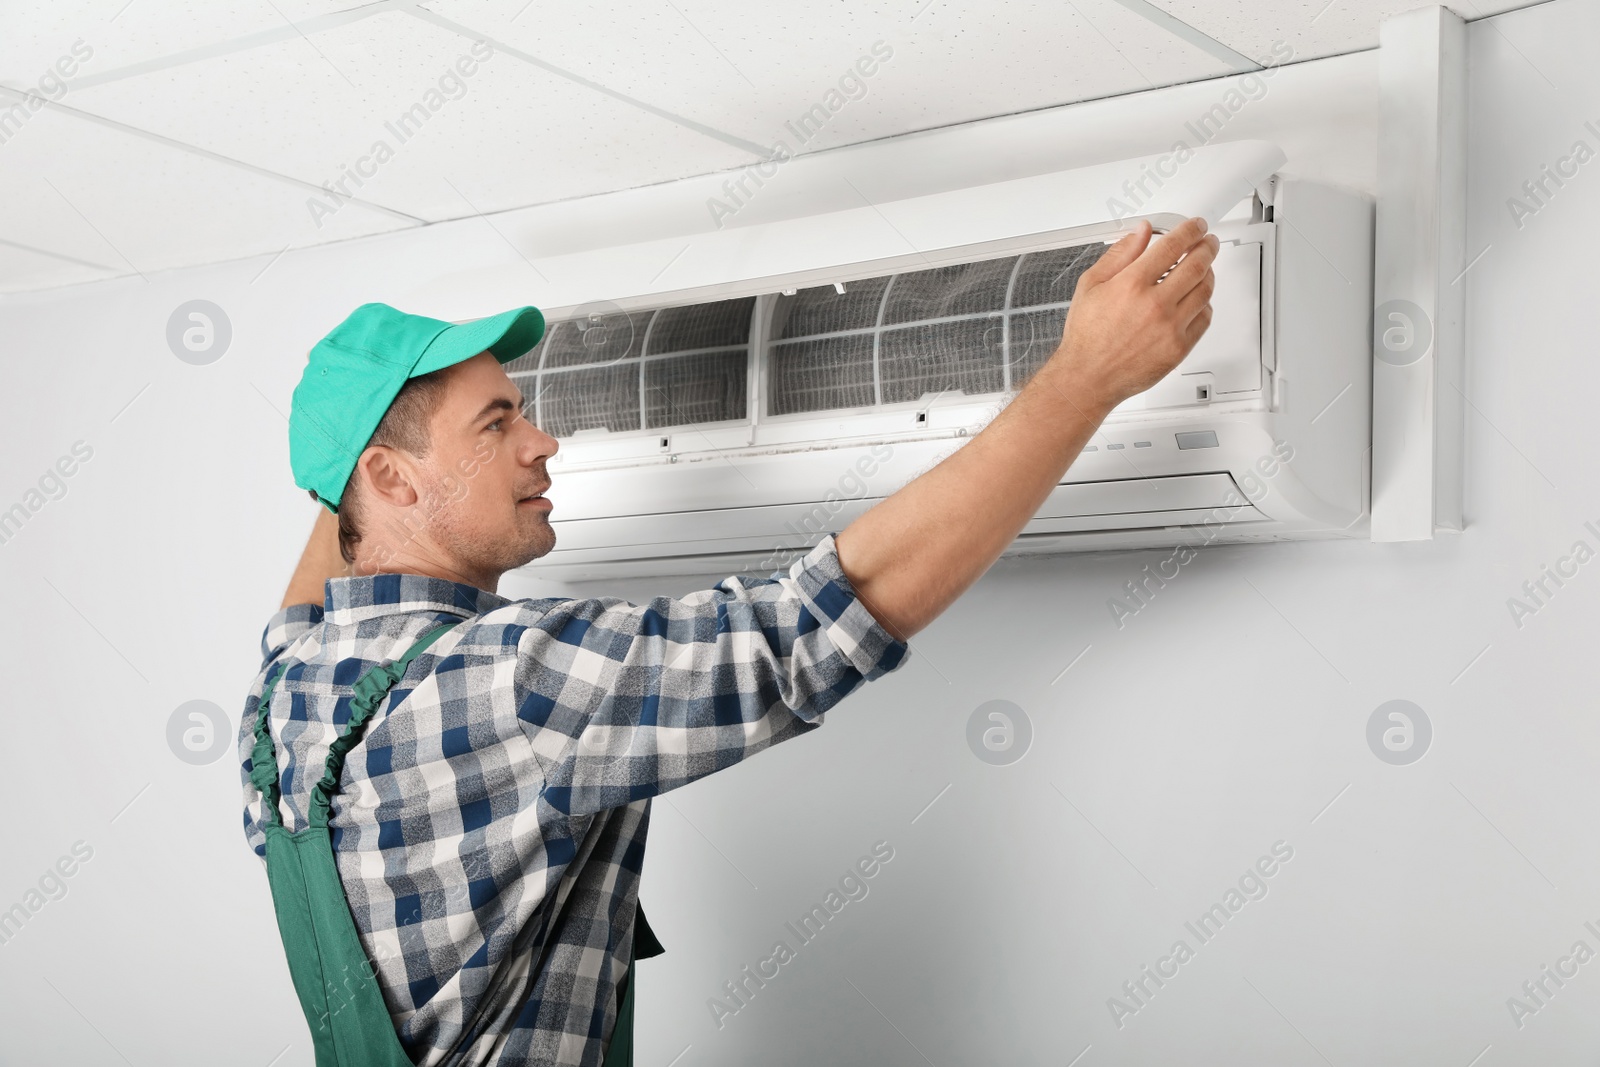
(456, 877)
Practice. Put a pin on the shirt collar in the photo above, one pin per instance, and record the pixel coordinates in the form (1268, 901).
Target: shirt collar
(352, 599)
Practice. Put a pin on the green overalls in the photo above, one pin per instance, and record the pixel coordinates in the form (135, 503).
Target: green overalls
(336, 983)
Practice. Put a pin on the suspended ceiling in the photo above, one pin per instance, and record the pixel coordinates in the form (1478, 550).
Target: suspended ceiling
(199, 132)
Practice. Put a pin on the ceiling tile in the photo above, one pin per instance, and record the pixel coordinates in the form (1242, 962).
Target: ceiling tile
(22, 269)
(755, 72)
(98, 195)
(507, 135)
(227, 117)
(1477, 9)
(120, 33)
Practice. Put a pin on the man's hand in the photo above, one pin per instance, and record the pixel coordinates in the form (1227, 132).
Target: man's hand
(1127, 327)
(319, 562)
(913, 554)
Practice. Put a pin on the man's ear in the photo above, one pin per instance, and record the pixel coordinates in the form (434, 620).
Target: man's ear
(390, 476)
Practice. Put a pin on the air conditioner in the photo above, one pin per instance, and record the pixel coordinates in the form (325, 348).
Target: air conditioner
(781, 378)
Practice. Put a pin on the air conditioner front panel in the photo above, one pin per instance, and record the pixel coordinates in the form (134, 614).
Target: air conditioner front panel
(1087, 201)
(1130, 495)
(1105, 505)
(1146, 520)
(1132, 465)
(736, 527)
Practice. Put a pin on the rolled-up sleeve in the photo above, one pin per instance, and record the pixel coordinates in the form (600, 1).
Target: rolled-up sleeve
(624, 701)
(285, 627)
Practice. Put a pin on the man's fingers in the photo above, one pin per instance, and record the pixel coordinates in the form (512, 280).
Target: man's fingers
(1159, 257)
(1117, 256)
(1197, 326)
(1189, 273)
(1198, 296)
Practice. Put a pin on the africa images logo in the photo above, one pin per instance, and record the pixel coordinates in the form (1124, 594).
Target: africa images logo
(1252, 885)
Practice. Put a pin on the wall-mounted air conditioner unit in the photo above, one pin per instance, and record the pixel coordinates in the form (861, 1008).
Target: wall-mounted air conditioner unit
(811, 367)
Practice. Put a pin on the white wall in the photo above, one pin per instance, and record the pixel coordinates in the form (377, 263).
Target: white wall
(1223, 718)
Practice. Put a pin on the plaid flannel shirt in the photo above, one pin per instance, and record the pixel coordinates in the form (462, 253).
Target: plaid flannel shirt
(490, 829)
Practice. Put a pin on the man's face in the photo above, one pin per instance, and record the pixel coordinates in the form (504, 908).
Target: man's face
(487, 460)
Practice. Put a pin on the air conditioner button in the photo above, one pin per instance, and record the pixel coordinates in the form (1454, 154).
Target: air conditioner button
(1197, 439)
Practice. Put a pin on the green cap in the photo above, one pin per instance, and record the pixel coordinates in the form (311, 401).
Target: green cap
(357, 370)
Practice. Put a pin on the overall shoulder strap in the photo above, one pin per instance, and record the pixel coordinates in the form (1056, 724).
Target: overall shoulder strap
(263, 759)
(370, 690)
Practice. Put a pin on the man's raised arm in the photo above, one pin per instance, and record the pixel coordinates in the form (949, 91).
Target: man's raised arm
(912, 555)
(319, 562)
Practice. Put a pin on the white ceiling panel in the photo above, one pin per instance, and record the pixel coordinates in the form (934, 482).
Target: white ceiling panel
(120, 33)
(1311, 28)
(204, 130)
(35, 270)
(99, 195)
(755, 72)
(509, 134)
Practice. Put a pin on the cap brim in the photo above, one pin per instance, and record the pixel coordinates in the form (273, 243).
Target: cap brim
(506, 336)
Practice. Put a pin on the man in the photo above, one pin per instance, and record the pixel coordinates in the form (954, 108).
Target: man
(463, 887)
